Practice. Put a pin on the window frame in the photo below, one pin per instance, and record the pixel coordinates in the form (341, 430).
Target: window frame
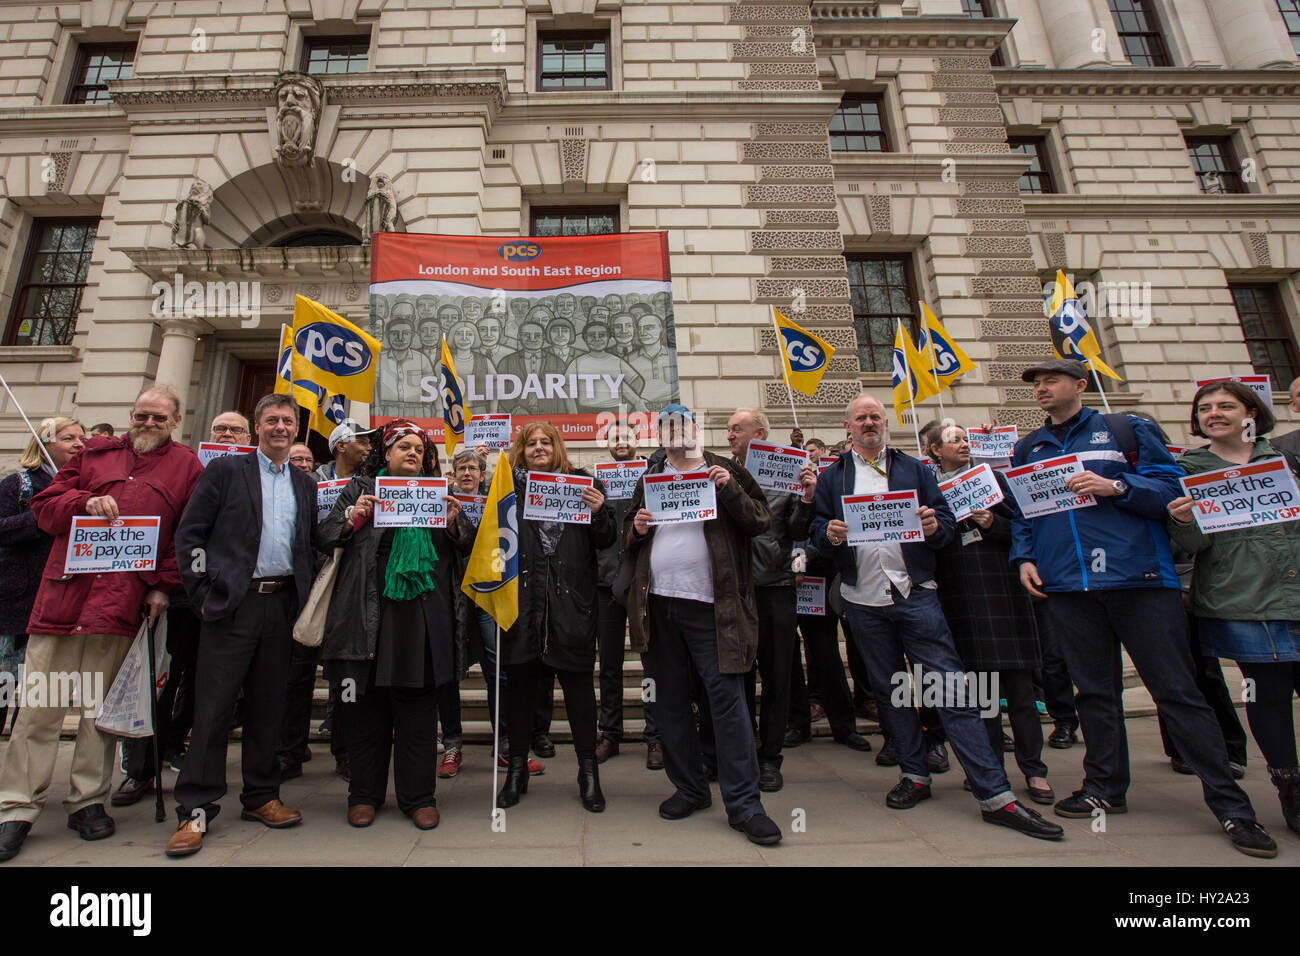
(594, 33)
(859, 319)
(1274, 293)
(1043, 155)
(1153, 37)
(1231, 175)
(534, 212)
(317, 40)
(1287, 15)
(24, 283)
(79, 67)
(882, 114)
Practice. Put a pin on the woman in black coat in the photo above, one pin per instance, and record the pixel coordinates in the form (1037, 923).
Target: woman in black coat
(989, 614)
(556, 627)
(390, 633)
(24, 548)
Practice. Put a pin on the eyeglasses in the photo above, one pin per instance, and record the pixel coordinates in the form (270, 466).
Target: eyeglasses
(301, 459)
(140, 418)
(232, 429)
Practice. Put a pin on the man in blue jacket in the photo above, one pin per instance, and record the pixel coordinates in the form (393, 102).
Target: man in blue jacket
(890, 599)
(1109, 579)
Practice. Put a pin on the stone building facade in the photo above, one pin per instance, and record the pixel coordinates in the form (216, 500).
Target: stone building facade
(974, 147)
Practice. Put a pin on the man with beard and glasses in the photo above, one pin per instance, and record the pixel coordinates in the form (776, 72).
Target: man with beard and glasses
(85, 623)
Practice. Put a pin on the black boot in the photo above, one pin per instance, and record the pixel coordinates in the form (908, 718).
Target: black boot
(516, 781)
(589, 785)
(1287, 782)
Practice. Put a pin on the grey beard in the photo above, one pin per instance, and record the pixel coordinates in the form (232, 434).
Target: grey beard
(143, 444)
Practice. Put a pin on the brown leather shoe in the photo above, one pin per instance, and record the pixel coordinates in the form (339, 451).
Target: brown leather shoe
(361, 815)
(654, 755)
(606, 749)
(426, 818)
(131, 792)
(187, 839)
(274, 814)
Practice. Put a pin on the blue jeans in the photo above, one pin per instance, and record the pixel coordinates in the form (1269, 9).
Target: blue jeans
(915, 626)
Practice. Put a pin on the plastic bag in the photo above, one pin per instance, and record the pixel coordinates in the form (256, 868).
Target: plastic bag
(126, 711)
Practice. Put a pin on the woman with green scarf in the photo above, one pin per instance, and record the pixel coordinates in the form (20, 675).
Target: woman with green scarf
(390, 633)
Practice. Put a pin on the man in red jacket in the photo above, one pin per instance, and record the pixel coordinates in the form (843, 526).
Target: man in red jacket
(84, 624)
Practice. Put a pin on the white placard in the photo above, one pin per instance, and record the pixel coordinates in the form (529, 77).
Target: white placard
(1040, 488)
(210, 451)
(976, 488)
(1177, 450)
(491, 430)
(890, 516)
(810, 597)
(410, 502)
(620, 477)
(825, 461)
(1244, 496)
(776, 467)
(98, 545)
(1260, 383)
(327, 492)
(554, 497)
(680, 498)
(471, 506)
(996, 442)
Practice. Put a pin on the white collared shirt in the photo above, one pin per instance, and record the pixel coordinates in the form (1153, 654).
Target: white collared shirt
(879, 564)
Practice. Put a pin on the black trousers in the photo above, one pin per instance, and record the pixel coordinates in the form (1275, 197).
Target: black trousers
(1272, 720)
(247, 650)
(175, 708)
(1149, 622)
(857, 668)
(1210, 682)
(777, 639)
(543, 709)
(397, 724)
(1017, 686)
(1058, 689)
(611, 628)
(520, 701)
(296, 731)
(825, 672)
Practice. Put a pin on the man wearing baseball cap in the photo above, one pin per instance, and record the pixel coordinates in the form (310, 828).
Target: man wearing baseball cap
(349, 444)
(1107, 573)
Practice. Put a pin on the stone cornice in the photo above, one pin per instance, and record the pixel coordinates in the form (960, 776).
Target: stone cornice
(1148, 83)
(65, 120)
(915, 167)
(902, 34)
(677, 106)
(287, 264)
(1161, 207)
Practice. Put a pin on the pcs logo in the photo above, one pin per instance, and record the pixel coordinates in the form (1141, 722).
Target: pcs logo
(332, 348)
(519, 251)
(805, 355)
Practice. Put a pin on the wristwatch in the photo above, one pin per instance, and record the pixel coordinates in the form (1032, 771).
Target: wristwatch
(1121, 487)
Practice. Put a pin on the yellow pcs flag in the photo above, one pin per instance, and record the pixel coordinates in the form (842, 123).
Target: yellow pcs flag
(492, 575)
(454, 412)
(1072, 335)
(331, 352)
(326, 410)
(941, 355)
(804, 356)
(913, 381)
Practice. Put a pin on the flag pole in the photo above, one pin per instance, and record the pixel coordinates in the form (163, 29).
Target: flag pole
(911, 395)
(1101, 390)
(934, 368)
(785, 375)
(496, 725)
(39, 441)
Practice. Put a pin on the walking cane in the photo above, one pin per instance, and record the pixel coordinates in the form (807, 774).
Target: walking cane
(160, 813)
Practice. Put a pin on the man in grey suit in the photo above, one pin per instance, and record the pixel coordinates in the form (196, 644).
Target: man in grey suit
(1291, 440)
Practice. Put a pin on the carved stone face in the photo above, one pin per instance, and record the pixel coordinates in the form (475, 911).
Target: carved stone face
(294, 95)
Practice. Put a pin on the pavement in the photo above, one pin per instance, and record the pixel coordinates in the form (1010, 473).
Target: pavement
(831, 810)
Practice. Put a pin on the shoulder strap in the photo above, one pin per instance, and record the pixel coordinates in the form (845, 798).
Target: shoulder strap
(1121, 426)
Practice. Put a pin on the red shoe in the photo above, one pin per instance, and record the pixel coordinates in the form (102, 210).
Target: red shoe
(535, 767)
(450, 764)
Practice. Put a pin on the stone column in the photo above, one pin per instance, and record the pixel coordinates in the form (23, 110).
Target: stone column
(1069, 33)
(176, 359)
(1252, 35)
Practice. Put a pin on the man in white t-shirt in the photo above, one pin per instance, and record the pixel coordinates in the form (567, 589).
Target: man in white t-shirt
(691, 601)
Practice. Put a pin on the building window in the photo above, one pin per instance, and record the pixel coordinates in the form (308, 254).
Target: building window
(983, 10)
(1216, 164)
(1290, 10)
(575, 221)
(325, 56)
(573, 61)
(858, 126)
(53, 278)
(1139, 33)
(96, 65)
(1037, 179)
(880, 289)
(1267, 333)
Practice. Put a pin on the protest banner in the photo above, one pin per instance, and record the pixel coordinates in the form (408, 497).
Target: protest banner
(620, 477)
(1243, 496)
(1040, 489)
(886, 516)
(574, 330)
(471, 506)
(825, 461)
(210, 451)
(976, 488)
(680, 498)
(554, 497)
(810, 597)
(494, 430)
(410, 502)
(98, 545)
(996, 442)
(327, 492)
(1260, 383)
(1177, 450)
(776, 467)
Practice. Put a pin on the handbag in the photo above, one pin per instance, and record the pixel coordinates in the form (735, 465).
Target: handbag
(309, 629)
